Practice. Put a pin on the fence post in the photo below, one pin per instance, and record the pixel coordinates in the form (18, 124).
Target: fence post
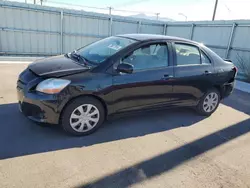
(230, 40)
(110, 25)
(192, 31)
(110, 20)
(139, 27)
(61, 33)
(165, 29)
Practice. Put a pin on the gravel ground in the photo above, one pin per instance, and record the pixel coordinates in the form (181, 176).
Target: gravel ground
(167, 148)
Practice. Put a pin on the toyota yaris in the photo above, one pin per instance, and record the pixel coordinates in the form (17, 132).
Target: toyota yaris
(124, 73)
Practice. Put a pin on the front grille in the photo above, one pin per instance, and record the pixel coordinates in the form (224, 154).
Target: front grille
(21, 82)
(31, 109)
(20, 86)
(25, 77)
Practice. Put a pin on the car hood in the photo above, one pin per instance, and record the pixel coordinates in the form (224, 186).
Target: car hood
(56, 66)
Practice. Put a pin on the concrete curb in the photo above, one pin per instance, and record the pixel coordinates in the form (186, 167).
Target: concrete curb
(16, 62)
(10, 59)
(242, 86)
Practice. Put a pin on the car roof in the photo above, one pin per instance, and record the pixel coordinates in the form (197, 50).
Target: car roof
(149, 37)
(144, 37)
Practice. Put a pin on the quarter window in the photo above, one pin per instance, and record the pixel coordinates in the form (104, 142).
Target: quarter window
(187, 54)
(148, 57)
(204, 58)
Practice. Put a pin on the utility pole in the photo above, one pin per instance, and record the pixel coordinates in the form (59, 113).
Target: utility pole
(110, 9)
(34, 2)
(157, 16)
(215, 8)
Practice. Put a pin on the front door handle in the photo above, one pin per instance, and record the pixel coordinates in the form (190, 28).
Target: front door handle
(166, 77)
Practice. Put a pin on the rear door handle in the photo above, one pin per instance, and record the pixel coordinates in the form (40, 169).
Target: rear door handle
(220, 71)
(208, 72)
(166, 77)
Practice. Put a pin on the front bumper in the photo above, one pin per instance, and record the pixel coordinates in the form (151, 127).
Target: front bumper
(38, 106)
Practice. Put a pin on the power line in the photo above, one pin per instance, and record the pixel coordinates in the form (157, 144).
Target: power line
(69, 4)
(131, 2)
(134, 11)
(103, 8)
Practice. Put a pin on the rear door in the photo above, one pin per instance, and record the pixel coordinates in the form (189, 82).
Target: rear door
(150, 84)
(194, 74)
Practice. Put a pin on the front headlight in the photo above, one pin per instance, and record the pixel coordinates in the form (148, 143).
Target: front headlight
(52, 85)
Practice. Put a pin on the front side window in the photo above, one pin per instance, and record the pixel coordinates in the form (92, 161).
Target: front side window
(99, 51)
(148, 57)
(187, 54)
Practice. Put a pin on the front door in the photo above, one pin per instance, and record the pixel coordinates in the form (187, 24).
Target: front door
(150, 84)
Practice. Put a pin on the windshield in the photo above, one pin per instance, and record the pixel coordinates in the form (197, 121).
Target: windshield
(99, 51)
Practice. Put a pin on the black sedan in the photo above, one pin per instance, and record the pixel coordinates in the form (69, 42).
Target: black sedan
(124, 73)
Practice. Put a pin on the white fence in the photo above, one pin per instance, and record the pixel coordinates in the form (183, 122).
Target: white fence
(38, 30)
(27, 29)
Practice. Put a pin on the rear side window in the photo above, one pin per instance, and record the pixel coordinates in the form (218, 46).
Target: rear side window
(187, 54)
(190, 55)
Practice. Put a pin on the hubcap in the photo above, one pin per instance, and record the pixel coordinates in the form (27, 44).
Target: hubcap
(210, 102)
(84, 118)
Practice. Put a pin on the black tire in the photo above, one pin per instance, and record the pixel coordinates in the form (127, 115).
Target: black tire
(65, 117)
(199, 107)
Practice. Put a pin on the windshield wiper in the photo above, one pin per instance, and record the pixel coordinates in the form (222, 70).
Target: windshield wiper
(79, 58)
(66, 55)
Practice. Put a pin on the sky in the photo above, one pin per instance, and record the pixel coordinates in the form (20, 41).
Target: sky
(194, 10)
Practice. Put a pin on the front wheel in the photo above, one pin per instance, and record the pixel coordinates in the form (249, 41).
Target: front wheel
(209, 103)
(83, 116)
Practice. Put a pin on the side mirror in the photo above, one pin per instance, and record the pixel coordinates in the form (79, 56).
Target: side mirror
(125, 68)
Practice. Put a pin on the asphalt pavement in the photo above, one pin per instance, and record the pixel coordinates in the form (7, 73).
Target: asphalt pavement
(166, 148)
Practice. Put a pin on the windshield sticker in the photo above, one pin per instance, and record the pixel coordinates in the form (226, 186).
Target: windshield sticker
(114, 47)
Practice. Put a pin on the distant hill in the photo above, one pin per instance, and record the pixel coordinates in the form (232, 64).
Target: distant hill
(144, 16)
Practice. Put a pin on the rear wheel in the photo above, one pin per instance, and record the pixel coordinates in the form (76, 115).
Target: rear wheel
(209, 102)
(83, 116)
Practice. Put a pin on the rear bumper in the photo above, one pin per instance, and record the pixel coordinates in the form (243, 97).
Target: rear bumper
(39, 107)
(228, 89)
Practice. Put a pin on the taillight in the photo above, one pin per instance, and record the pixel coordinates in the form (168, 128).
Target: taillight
(235, 70)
